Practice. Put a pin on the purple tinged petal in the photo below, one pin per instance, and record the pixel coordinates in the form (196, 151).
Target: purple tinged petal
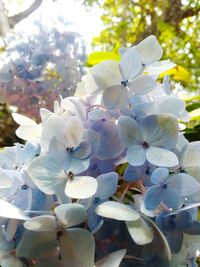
(134, 173)
(107, 185)
(110, 145)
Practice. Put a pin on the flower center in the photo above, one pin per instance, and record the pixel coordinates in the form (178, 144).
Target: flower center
(70, 149)
(24, 187)
(124, 83)
(145, 144)
(70, 175)
(59, 233)
(165, 186)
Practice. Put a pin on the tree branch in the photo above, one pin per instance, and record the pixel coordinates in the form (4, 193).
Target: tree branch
(24, 14)
(189, 13)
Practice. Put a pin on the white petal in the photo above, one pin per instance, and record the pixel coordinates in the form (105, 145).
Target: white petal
(11, 229)
(77, 248)
(130, 64)
(150, 50)
(106, 74)
(70, 214)
(74, 103)
(112, 260)
(8, 210)
(46, 173)
(161, 157)
(142, 85)
(190, 155)
(6, 180)
(81, 187)
(73, 131)
(87, 86)
(37, 245)
(123, 50)
(11, 261)
(52, 138)
(117, 211)
(41, 223)
(170, 104)
(45, 113)
(115, 97)
(29, 132)
(22, 120)
(159, 67)
(140, 232)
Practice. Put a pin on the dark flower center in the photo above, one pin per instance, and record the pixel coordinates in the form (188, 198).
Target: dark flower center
(165, 186)
(124, 83)
(24, 187)
(96, 199)
(70, 149)
(70, 175)
(59, 233)
(145, 144)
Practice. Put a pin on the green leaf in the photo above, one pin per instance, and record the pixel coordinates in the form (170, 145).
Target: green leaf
(97, 57)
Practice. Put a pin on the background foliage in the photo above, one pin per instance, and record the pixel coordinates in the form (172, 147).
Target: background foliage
(175, 23)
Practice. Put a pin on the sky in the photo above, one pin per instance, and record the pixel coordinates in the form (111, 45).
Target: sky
(87, 23)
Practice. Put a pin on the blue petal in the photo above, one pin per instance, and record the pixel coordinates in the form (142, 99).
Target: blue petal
(153, 197)
(136, 155)
(105, 166)
(78, 166)
(175, 240)
(110, 145)
(133, 173)
(129, 131)
(171, 198)
(107, 185)
(82, 151)
(93, 219)
(161, 130)
(185, 184)
(183, 220)
(194, 229)
(159, 175)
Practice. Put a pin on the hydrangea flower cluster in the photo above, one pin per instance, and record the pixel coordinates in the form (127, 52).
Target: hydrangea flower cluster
(107, 179)
(38, 67)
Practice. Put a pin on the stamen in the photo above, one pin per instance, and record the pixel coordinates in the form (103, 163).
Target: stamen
(124, 83)
(145, 144)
